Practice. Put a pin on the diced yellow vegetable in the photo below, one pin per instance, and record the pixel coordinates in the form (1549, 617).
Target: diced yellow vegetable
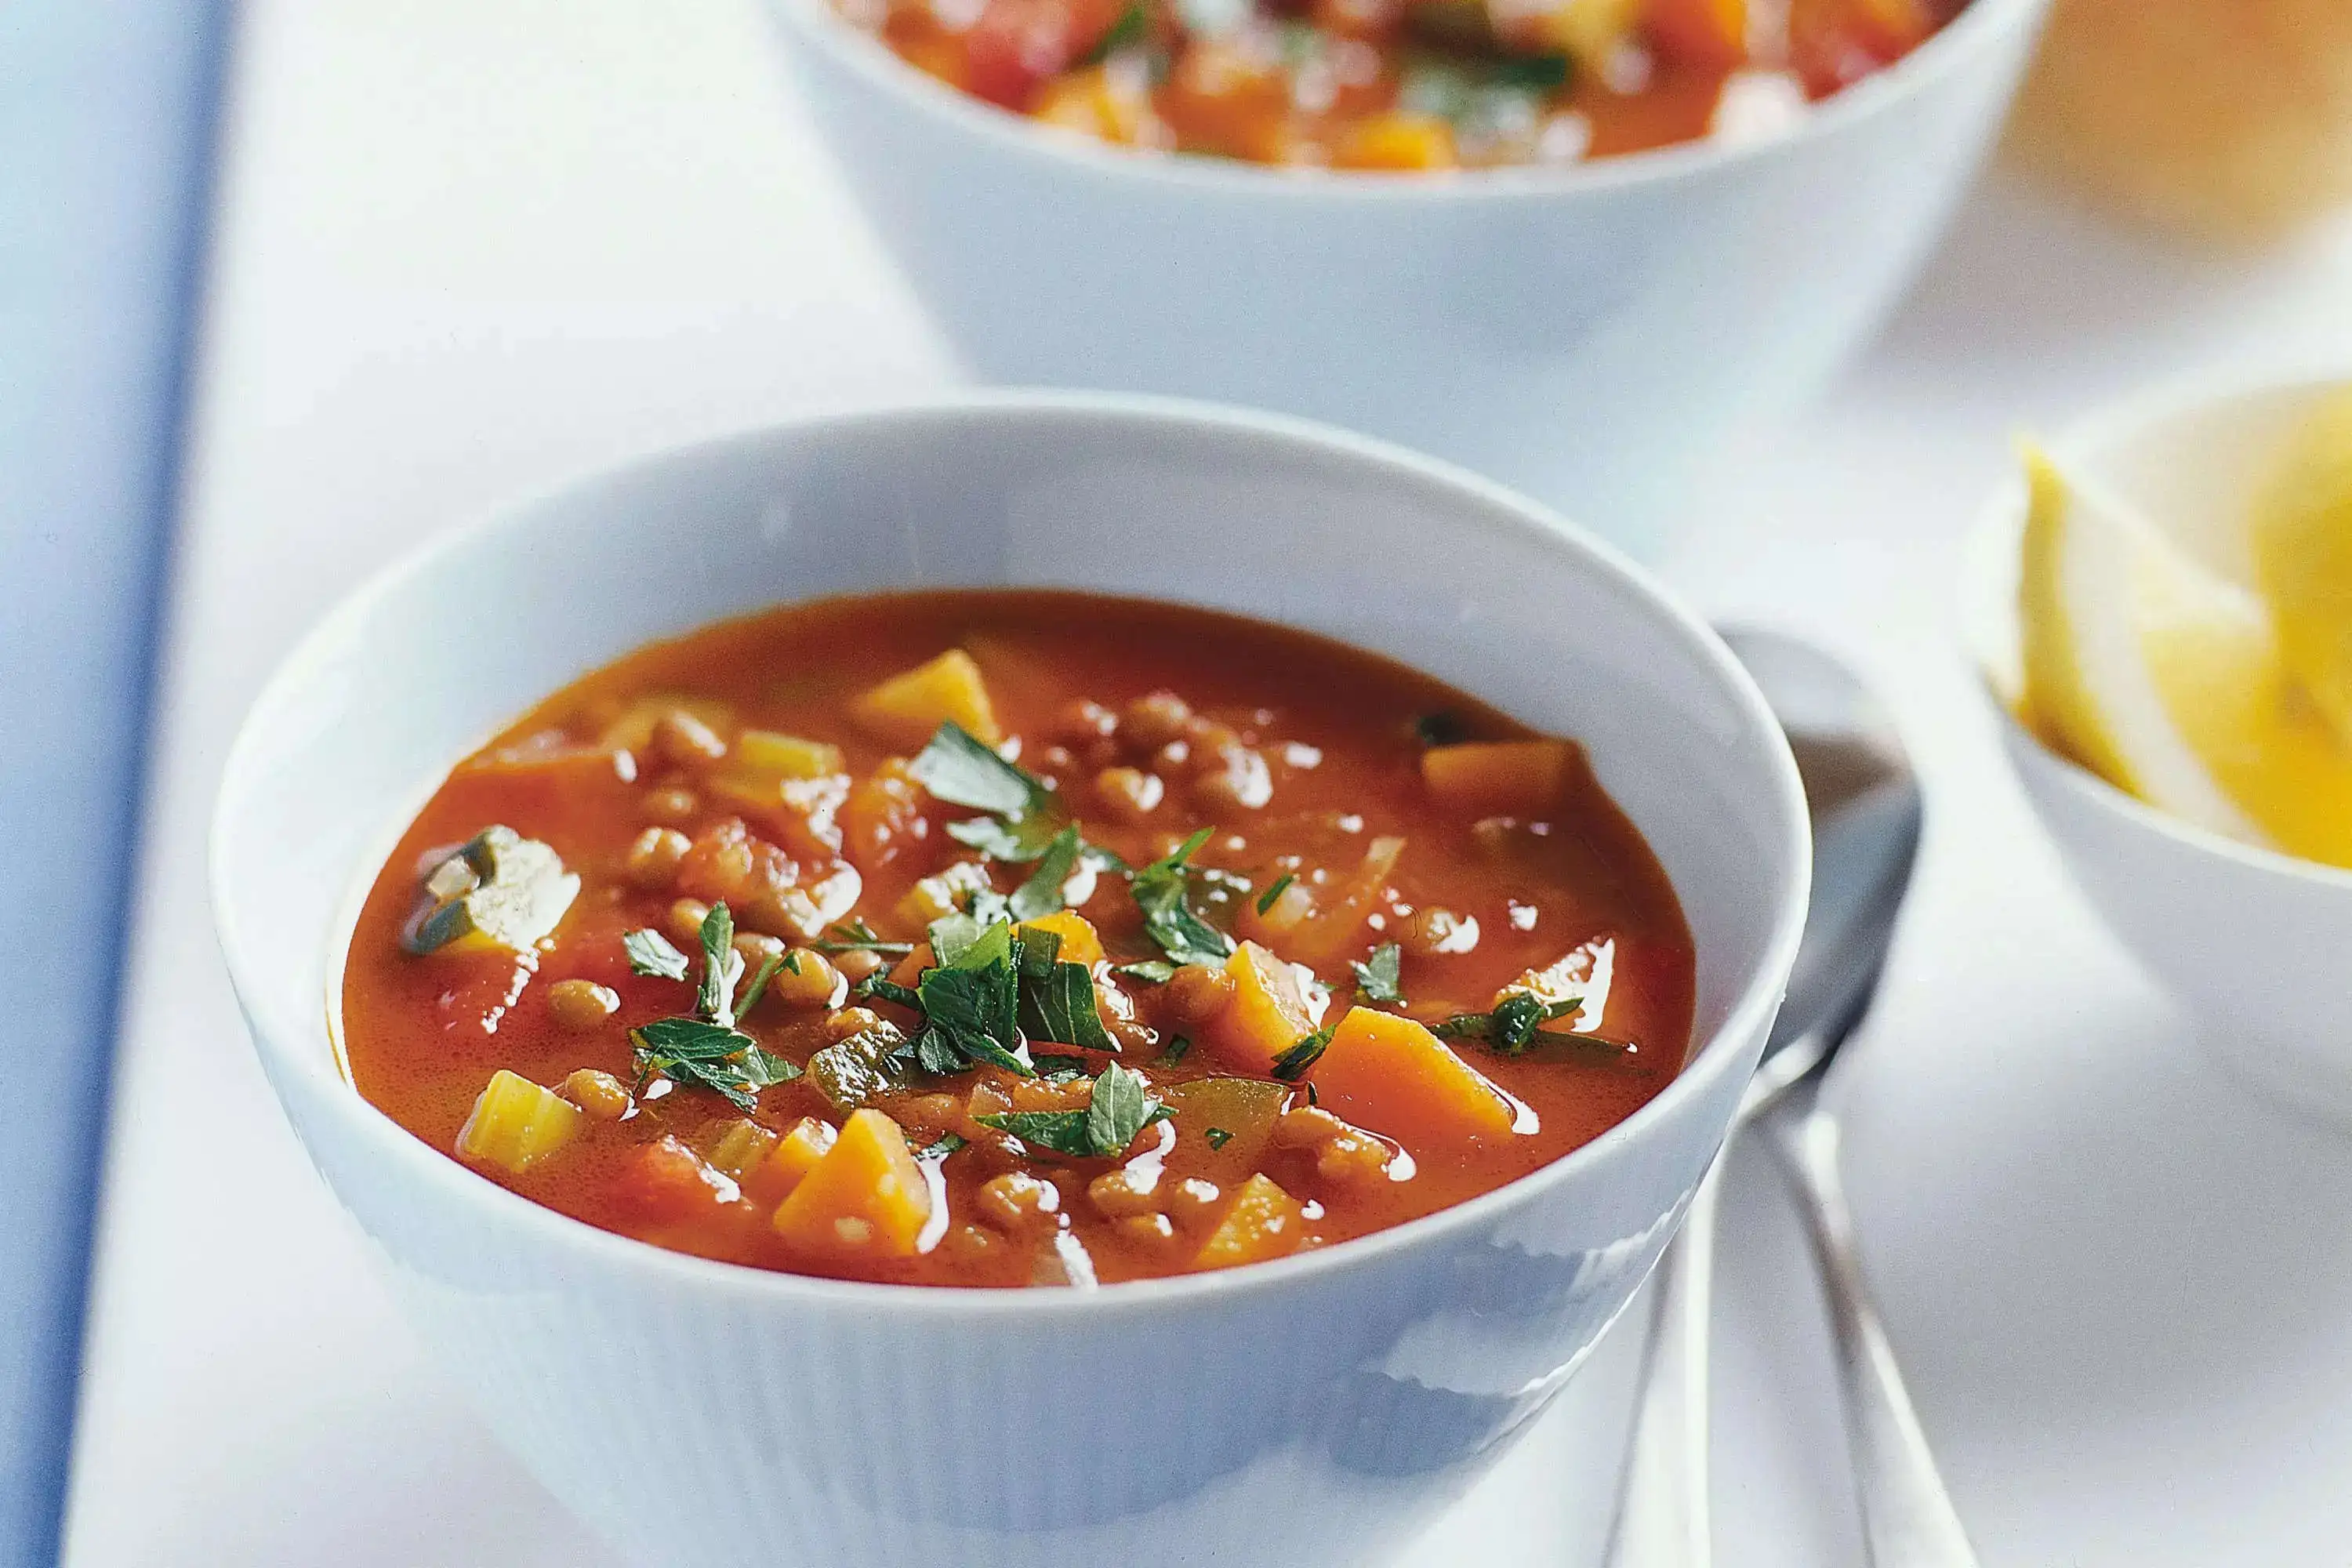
(632, 729)
(1264, 1222)
(938, 897)
(742, 1147)
(866, 1195)
(797, 1153)
(1269, 1011)
(1392, 1076)
(1500, 778)
(1080, 943)
(516, 1123)
(775, 755)
(906, 709)
(1397, 140)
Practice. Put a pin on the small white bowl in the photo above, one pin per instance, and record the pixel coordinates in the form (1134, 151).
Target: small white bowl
(2253, 943)
(1308, 1412)
(1579, 332)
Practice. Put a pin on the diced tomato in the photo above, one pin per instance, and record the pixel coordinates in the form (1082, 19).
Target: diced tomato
(1018, 45)
(1707, 35)
(1835, 43)
(667, 1180)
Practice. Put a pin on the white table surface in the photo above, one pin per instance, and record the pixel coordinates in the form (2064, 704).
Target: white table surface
(470, 246)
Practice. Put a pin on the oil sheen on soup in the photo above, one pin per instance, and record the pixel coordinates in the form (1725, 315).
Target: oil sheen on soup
(1014, 939)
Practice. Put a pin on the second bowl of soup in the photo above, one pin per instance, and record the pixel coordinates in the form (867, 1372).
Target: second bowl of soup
(990, 985)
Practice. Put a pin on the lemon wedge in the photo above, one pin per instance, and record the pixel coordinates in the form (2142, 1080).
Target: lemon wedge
(2170, 681)
(2303, 557)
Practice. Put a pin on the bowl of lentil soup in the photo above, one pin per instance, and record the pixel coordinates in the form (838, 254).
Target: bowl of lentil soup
(663, 1193)
(1582, 329)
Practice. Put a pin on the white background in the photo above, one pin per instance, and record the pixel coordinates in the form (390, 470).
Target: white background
(471, 247)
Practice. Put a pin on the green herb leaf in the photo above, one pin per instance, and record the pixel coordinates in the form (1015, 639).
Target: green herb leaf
(1024, 816)
(1512, 1026)
(696, 1053)
(1218, 1137)
(1176, 1050)
(1162, 891)
(1063, 1132)
(650, 952)
(1292, 1065)
(1132, 30)
(1054, 1069)
(857, 936)
(882, 990)
(1265, 899)
(1440, 729)
(1040, 895)
(1149, 971)
(1119, 1109)
(1530, 73)
(946, 1145)
(759, 986)
(720, 967)
(1379, 977)
(1057, 999)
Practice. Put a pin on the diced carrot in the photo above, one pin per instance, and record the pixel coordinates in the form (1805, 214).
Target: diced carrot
(1396, 141)
(910, 969)
(793, 1157)
(1080, 943)
(1708, 35)
(904, 710)
(1500, 778)
(866, 1195)
(1264, 1222)
(1392, 1076)
(1269, 1009)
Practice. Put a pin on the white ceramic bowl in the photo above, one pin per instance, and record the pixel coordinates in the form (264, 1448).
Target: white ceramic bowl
(1312, 1411)
(2253, 942)
(1581, 333)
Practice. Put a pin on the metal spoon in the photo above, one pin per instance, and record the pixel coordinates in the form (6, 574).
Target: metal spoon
(1866, 808)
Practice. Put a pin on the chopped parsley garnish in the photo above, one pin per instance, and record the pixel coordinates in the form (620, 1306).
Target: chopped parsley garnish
(969, 1000)
(1218, 1137)
(1379, 977)
(857, 936)
(1535, 73)
(946, 1145)
(1292, 1064)
(1163, 892)
(1132, 30)
(1150, 971)
(1023, 817)
(1517, 1022)
(767, 972)
(1040, 895)
(1057, 999)
(1053, 1068)
(705, 1050)
(650, 952)
(1281, 885)
(1177, 1047)
(1121, 1108)
(1440, 729)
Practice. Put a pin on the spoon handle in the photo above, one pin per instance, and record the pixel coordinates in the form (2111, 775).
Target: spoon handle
(1907, 1516)
(1662, 1510)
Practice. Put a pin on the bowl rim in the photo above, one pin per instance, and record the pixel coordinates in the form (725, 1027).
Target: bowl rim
(1978, 27)
(1991, 545)
(1491, 505)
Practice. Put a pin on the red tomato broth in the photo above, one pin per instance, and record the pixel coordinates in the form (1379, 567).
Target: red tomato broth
(423, 1033)
(1397, 85)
